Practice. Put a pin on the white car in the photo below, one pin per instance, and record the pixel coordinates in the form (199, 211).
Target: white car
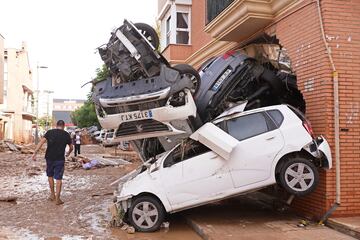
(240, 151)
(108, 140)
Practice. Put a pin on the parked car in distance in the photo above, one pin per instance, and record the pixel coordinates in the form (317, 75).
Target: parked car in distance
(238, 152)
(108, 140)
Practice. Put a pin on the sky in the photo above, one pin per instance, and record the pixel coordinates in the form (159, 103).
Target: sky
(64, 34)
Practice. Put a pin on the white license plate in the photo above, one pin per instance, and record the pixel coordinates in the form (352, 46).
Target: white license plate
(138, 115)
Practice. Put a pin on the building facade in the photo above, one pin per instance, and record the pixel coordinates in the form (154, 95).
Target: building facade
(179, 28)
(1, 68)
(322, 39)
(17, 109)
(62, 109)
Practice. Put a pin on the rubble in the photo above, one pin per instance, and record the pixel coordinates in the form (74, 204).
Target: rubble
(8, 199)
(8, 145)
(96, 161)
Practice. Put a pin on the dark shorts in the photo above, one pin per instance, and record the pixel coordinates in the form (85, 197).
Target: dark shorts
(55, 169)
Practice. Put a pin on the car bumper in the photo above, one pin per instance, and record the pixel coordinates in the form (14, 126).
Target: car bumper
(320, 149)
(163, 114)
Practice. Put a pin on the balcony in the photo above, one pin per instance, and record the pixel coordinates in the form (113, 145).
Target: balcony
(215, 7)
(177, 53)
(236, 20)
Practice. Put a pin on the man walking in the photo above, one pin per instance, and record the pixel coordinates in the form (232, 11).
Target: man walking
(56, 139)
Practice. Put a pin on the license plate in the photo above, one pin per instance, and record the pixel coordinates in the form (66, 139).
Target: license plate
(218, 83)
(138, 115)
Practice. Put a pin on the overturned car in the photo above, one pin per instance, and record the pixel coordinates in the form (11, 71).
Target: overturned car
(144, 97)
(236, 153)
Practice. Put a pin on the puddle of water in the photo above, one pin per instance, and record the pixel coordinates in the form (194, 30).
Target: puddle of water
(96, 217)
(7, 233)
(25, 186)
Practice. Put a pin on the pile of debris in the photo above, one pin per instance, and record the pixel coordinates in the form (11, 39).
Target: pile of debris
(10, 146)
(92, 162)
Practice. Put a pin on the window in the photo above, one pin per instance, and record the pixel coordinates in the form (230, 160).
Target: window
(276, 116)
(184, 151)
(247, 126)
(182, 28)
(168, 30)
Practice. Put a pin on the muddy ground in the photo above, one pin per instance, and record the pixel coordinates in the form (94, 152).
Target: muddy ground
(87, 194)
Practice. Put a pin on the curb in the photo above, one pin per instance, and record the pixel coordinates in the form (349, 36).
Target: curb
(197, 229)
(342, 228)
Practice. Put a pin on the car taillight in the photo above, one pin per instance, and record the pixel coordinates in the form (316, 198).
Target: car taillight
(308, 128)
(228, 54)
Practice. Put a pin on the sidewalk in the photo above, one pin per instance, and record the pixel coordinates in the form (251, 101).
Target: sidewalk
(248, 218)
(347, 225)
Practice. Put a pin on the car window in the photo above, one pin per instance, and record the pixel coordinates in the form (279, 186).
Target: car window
(276, 116)
(247, 126)
(184, 151)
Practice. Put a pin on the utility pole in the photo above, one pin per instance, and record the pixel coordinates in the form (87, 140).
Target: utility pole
(37, 103)
(47, 107)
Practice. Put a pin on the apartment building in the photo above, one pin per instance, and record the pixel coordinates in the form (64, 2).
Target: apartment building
(17, 110)
(1, 67)
(322, 40)
(62, 109)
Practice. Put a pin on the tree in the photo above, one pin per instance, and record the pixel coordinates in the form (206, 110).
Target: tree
(45, 121)
(85, 116)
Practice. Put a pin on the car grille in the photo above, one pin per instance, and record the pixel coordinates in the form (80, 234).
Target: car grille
(143, 126)
(130, 108)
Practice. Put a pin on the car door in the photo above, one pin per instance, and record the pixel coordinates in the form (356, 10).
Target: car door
(205, 175)
(259, 141)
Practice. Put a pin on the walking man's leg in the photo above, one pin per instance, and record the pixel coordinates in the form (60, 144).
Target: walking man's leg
(50, 173)
(52, 190)
(58, 175)
(58, 192)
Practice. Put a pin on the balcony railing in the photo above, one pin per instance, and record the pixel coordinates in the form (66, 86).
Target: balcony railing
(215, 7)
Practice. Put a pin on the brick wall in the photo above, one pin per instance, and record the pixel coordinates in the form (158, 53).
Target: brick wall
(342, 26)
(299, 32)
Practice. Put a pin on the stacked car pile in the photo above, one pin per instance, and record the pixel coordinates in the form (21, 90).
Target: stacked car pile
(148, 101)
(236, 143)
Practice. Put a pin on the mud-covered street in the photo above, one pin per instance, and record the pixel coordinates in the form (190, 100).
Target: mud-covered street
(87, 194)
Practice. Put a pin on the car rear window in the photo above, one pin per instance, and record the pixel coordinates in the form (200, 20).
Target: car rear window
(276, 116)
(247, 126)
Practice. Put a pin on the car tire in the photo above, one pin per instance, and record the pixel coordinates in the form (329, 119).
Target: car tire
(299, 176)
(149, 33)
(194, 75)
(146, 214)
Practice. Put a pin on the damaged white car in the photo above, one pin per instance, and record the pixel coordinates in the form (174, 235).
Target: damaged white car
(238, 152)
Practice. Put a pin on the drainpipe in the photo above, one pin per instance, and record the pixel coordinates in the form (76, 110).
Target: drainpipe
(336, 120)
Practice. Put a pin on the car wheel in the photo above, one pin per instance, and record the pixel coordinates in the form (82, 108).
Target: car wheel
(149, 33)
(146, 214)
(299, 176)
(188, 70)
